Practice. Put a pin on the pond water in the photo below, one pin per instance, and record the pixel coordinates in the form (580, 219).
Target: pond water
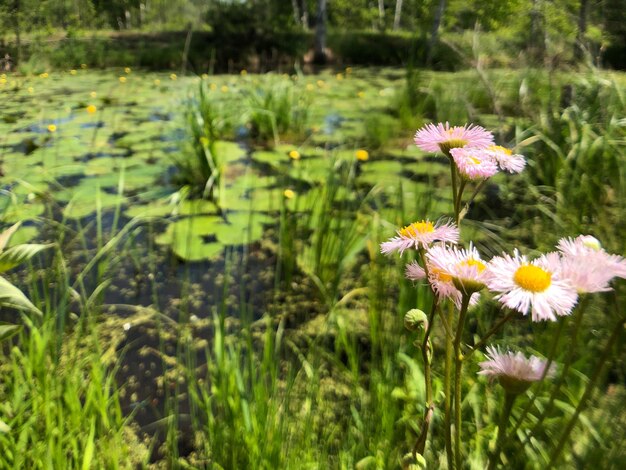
(112, 170)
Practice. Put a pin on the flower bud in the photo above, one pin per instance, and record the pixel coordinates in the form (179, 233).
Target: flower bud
(415, 319)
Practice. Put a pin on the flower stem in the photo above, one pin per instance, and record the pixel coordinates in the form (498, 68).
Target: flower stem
(420, 443)
(458, 358)
(563, 375)
(509, 400)
(447, 382)
(550, 360)
(494, 329)
(618, 330)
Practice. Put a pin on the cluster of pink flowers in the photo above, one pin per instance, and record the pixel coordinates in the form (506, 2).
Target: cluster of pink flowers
(547, 287)
(471, 147)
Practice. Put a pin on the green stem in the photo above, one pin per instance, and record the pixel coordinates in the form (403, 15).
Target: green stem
(563, 375)
(454, 189)
(458, 358)
(459, 199)
(447, 382)
(551, 356)
(509, 400)
(420, 443)
(617, 332)
(494, 329)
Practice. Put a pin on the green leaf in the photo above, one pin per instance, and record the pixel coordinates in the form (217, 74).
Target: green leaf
(7, 330)
(11, 296)
(4, 427)
(6, 235)
(18, 254)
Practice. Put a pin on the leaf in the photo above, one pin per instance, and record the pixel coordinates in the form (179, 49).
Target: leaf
(7, 234)
(89, 448)
(11, 296)
(4, 427)
(7, 330)
(18, 254)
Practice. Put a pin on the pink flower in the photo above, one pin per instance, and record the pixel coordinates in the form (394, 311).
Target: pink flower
(421, 234)
(538, 285)
(474, 164)
(587, 266)
(414, 271)
(515, 372)
(513, 163)
(439, 278)
(464, 266)
(434, 138)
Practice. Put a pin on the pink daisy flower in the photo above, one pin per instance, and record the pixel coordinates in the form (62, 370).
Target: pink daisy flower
(414, 272)
(537, 285)
(587, 266)
(474, 164)
(440, 137)
(514, 371)
(440, 280)
(421, 234)
(513, 163)
(464, 266)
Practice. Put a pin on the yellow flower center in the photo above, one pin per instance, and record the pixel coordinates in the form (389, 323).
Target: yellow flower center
(417, 228)
(499, 148)
(441, 275)
(480, 266)
(532, 278)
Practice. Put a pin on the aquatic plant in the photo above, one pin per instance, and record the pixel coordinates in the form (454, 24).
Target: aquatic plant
(200, 165)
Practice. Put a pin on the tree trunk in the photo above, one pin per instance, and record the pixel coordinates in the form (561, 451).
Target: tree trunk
(537, 34)
(18, 40)
(304, 8)
(579, 47)
(319, 50)
(396, 17)
(296, 13)
(381, 15)
(434, 34)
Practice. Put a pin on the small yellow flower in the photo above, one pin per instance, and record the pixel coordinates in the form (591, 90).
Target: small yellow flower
(294, 155)
(243, 73)
(173, 76)
(157, 82)
(362, 155)
(31, 90)
(93, 94)
(213, 86)
(321, 83)
(348, 70)
(83, 66)
(127, 70)
(204, 76)
(52, 128)
(91, 109)
(122, 79)
(289, 194)
(73, 72)
(340, 76)
(44, 75)
(310, 87)
(224, 89)
(3, 81)
(360, 94)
